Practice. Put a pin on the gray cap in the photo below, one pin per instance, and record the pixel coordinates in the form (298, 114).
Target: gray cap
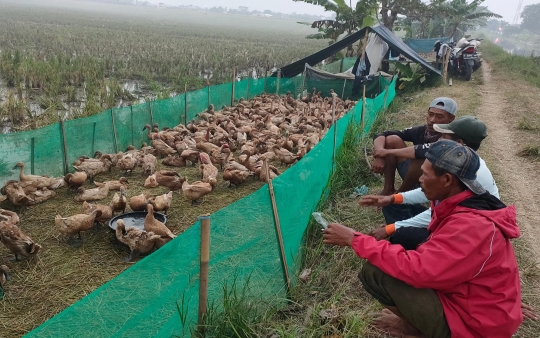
(446, 104)
(458, 160)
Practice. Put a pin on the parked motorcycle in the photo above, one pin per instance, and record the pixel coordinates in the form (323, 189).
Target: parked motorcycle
(464, 58)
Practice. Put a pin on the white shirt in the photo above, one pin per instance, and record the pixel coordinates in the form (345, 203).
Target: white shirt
(416, 196)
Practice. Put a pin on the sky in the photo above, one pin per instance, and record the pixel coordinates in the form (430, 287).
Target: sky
(506, 8)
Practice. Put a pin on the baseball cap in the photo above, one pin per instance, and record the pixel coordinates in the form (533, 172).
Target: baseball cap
(458, 160)
(446, 104)
(468, 128)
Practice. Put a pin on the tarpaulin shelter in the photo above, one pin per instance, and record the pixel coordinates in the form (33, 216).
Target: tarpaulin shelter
(384, 33)
(425, 45)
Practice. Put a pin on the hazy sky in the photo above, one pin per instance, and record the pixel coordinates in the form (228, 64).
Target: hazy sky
(506, 8)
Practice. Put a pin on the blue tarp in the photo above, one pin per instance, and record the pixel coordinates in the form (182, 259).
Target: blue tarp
(424, 45)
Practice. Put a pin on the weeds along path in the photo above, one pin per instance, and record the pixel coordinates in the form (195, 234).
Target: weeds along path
(519, 175)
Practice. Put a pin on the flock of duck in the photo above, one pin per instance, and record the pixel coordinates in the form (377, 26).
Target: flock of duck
(265, 128)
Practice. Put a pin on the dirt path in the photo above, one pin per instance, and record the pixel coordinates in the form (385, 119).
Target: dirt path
(520, 175)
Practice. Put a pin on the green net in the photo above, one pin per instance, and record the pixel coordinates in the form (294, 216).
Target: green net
(220, 95)
(197, 102)
(85, 136)
(167, 113)
(141, 117)
(240, 89)
(158, 295)
(256, 87)
(123, 122)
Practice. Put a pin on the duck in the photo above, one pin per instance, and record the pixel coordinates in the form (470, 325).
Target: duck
(190, 155)
(149, 164)
(151, 224)
(162, 148)
(138, 203)
(169, 179)
(151, 182)
(195, 191)
(106, 212)
(94, 194)
(285, 156)
(9, 216)
(15, 194)
(76, 223)
(222, 156)
(75, 180)
(174, 161)
(128, 163)
(114, 184)
(42, 181)
(119, 201)
(137, 240)
(40, 195)
(208, 171)
(17, 241)
(162, 202)
(235, 177)
(95, 167)
(4, 276)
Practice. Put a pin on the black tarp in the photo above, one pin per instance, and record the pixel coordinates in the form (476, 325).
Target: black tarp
(384, 33)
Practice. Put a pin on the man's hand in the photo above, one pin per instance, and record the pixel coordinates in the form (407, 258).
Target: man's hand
(379, 233)
(337, 234)
(376, 200)
(380, 153)
(378, 165)
(528, 312)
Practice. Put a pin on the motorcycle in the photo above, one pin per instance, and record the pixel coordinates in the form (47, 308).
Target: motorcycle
(464, 58)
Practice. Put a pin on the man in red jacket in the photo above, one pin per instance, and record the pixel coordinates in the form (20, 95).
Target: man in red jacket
(463, 281)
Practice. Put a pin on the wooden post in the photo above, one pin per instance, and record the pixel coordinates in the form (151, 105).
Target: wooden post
(151, 116)
(93, 138)
(363, 107)
(233, 85)
(114, 131)
(63, 130)
(278, 227)
(341, 65)
(132, 129)
(247, 90)
(334, 124)
(303, 83)
(364, 43)
(32, 155)
(385, 97)
(445, 66)
(343, 91)
(186, 104)
(203, 272)
(265, 78)
(278, 81)
(209, 101)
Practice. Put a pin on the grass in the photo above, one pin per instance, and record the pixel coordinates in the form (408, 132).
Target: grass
(526, 124)
(531, 151)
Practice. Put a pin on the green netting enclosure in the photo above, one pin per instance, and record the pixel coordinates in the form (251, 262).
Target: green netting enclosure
(144, 300)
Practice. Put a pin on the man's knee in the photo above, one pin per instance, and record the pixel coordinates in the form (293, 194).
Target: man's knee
(394, 142)
(369, 274)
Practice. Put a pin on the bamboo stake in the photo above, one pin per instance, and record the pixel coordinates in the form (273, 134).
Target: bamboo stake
(93, 137)
(32, 155)
(203, 272)
(114, 130)
(247, 90)
(233, 85)
(303, 82)
(278, 227)
(445, 67)
(209, 101)
(151, 116)
(341, 65)
(343, 91)
(364, 43)
(335, 131)
(186, 104)
(363, 107)
(132, 130)
(385, 97)
(63, 129)
(278, 81)
(265, 78)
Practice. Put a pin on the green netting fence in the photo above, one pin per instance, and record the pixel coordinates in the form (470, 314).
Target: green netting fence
(339, 66)
(148, 299)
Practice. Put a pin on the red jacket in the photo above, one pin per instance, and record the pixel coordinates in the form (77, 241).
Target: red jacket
(468, 260)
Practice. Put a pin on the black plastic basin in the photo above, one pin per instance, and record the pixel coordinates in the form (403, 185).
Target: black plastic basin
(135, 219)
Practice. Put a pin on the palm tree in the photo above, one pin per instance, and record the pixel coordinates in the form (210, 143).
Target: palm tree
(462, 14)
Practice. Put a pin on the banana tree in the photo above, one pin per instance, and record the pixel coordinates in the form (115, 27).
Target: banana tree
(462, 14)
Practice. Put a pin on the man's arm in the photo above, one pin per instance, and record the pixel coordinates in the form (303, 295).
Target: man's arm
(434, 263)
(412, 152)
